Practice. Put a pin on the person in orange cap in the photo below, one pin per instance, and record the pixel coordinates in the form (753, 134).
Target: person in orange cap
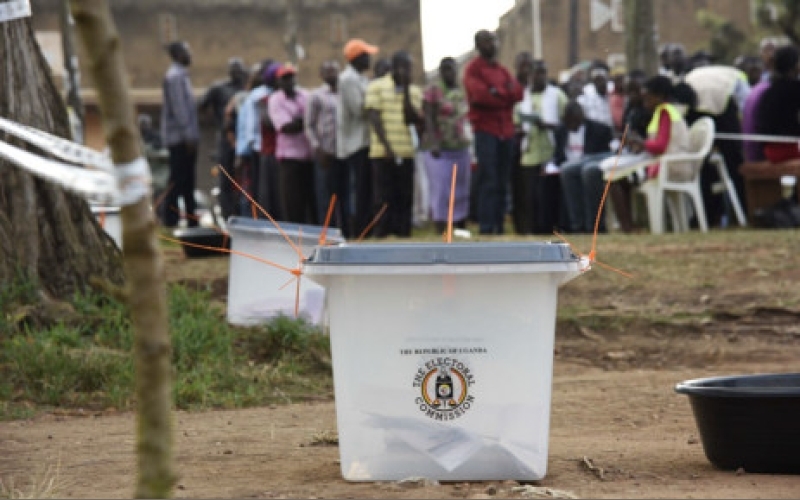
(352, 127)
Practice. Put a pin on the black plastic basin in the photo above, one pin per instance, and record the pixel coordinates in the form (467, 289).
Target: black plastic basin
(211, 239)
(748, 421)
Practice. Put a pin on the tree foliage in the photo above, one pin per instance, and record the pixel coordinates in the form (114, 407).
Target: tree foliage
(773, 17)
(781, 16)
(727, 41)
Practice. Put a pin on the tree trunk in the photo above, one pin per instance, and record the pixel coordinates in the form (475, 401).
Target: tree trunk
(640, 36)
(574, 33)
(290, 41)
(144, 267)
(46, 234)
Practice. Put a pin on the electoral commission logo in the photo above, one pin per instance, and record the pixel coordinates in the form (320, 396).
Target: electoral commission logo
(444, 385)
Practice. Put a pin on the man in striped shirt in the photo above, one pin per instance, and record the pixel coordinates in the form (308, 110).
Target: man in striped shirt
(393, 105)
(180, 131)
(332, 175)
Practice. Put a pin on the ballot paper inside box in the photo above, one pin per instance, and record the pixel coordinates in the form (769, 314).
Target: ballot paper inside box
(258, 291)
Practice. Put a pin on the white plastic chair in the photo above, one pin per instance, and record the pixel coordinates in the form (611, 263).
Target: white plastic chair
(662, 191)
(728, 187)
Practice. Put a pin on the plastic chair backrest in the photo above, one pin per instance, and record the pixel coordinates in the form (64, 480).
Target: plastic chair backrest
(701, 136)
(701, 139)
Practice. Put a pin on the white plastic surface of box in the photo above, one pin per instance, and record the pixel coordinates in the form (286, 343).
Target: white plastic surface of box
(443, 371)
(256, 290)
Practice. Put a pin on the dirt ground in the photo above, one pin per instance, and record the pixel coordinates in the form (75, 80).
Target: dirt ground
(698, 305)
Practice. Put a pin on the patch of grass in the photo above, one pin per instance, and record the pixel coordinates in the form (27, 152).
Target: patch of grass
(10, 410)
(46, 483)
(325, 438)
(88, 362)
(284, 336)
(15, 297)
(58, 366)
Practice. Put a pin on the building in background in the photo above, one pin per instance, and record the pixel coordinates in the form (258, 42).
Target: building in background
(600, 27)
(305, 31)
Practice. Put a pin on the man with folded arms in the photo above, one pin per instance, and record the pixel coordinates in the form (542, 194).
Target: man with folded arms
(491, 93)
(287, 109)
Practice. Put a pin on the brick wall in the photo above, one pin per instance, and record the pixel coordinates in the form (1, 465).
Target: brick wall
(217, 30)
(254, 30)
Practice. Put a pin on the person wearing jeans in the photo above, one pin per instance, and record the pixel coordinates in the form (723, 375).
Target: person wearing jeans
(491, 93)
(581, 145)
(494, 156)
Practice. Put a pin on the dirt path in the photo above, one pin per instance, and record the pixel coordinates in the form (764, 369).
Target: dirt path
(613, 435)
(618, 430)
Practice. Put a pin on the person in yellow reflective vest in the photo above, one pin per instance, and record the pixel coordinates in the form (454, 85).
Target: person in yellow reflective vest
(667, 133)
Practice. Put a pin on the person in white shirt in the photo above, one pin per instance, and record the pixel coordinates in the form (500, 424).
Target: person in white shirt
(594, 99)
(581, 144)
(721, 93)
(538, 114)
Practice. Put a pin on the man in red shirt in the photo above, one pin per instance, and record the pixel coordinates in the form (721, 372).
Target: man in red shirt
(491, 92)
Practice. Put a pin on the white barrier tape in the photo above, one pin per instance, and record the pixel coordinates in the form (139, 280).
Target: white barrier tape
(95, 186)
(58, 146)
(757, 137)
(133, 181)
(14, 9)
(124, 184)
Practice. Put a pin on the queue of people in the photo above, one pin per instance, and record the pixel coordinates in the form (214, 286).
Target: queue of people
(520, 143)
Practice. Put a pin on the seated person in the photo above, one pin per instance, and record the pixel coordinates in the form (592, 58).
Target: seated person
(777, 111)
(635, 119)
(667, 133)
(580, 145)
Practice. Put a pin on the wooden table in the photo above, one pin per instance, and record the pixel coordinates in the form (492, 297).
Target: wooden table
(762, 182)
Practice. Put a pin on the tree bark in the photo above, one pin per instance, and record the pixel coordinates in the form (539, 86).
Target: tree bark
(290, 41)
(47, 236)
(144, 267)
(574, 32)
(640, 36)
